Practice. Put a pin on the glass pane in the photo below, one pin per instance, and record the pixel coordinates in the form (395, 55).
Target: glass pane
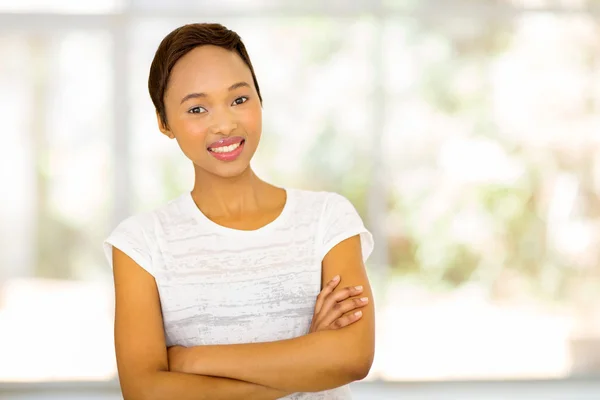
(61, 6)
(550, 3)
(55, 108)
(492, 152)
(203, 6)
(500, 7)
(316, 107)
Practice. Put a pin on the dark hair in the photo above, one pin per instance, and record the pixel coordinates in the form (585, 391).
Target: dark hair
(181, 41)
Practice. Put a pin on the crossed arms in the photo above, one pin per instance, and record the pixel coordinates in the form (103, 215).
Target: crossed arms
(338, 349)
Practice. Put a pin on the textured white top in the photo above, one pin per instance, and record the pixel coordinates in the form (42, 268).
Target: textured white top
(219, 285)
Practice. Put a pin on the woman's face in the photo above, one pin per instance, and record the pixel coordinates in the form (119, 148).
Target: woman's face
(213, 110)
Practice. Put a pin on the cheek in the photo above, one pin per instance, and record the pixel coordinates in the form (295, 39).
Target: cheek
(252, 121)
(191, 131)
(191, 137)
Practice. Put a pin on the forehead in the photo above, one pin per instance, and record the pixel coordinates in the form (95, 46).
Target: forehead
(207, 69)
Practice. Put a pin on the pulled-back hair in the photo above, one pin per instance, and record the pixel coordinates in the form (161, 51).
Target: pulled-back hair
(180, 42)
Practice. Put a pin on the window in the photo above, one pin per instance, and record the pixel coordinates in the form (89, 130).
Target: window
(54, 91)
(465, 132)
(491, 158)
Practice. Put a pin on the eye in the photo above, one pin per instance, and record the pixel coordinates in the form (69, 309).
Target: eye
(197, 110)
(240, 100)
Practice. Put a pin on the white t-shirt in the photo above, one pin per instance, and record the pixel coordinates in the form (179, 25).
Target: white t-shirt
(219, 285)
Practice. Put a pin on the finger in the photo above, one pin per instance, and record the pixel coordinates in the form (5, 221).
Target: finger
(340, 309)
(345, 293)
(346, 320)
(331, 285)
(342, 294)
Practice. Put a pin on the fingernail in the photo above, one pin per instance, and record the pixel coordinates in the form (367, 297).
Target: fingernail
(364, 299)
(336, 278)
(358, 313)
(358, 287)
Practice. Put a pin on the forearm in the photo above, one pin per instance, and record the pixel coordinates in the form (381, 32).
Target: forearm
(310, 363)
(166, 385)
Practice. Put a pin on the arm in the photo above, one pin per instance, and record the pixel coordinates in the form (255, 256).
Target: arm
(142, 354)
(318, 361)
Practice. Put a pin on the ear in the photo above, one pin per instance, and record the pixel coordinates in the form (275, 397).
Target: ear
(163, 127)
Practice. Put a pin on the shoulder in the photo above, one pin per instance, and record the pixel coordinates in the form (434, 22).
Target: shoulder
(147, 221)
(338, 219)
(319, 200)
(137, 235)
(139, 231)
(326, 207)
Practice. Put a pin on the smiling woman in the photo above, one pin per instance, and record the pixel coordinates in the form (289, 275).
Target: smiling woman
(200, 78)
(218, 289)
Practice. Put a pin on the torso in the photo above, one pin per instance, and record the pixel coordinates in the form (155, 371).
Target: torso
(220, 285)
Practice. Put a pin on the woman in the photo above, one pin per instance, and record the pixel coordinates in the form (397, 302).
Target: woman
(232, 290)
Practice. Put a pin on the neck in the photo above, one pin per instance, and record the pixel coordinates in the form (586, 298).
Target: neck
(227, 197)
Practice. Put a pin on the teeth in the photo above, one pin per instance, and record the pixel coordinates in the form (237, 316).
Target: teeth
(226, 149)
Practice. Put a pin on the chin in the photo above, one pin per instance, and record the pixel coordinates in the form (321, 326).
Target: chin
(230, 171)
(224, 169)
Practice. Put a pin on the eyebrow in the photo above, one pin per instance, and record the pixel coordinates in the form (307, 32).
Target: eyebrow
(197, 95)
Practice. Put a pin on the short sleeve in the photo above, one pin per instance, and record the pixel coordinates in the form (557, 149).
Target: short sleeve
(130, 237)
(341, 221)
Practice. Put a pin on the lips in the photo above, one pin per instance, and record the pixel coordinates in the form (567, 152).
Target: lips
(226, 142)
(228, 149)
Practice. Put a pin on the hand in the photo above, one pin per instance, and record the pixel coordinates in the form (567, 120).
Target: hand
(332, 310)
(176, 356)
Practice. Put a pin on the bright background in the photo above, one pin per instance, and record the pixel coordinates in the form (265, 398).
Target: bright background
(466, 133)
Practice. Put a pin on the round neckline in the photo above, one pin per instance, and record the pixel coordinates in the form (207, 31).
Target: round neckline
(205, 221)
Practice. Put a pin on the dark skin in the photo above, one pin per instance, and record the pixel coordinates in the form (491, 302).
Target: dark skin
(231, 194)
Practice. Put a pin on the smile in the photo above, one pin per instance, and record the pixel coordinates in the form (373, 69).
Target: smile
(226, 149)
(227, 153)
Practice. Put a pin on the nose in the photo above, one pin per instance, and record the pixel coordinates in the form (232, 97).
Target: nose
(223, 122)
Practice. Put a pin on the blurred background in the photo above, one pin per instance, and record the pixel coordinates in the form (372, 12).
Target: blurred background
(466, 133)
